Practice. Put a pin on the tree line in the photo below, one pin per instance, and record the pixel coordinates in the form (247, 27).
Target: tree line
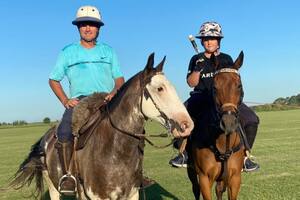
(46, 120)
(281, 103)
(293, 100)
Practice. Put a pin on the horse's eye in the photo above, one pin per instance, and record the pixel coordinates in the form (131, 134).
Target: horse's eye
(160, 89)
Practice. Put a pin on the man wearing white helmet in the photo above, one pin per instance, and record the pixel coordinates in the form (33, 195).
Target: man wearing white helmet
(89, 66)
(200, 77)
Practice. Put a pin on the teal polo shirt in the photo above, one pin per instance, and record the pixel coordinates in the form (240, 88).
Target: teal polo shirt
(88, 70)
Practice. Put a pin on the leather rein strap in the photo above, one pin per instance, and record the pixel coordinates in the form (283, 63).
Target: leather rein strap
(144, 90)
(223, 157)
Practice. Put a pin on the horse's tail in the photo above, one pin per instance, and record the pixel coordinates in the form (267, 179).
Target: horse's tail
(31, 168)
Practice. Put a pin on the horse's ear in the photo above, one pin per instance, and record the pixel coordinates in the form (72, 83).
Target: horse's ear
(150, 62)
(214, 61)
(239, 61)
(159, 67)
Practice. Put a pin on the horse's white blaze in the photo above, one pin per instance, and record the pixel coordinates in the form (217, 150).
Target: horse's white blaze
(54, 194)
(166, 99)
(150, 110)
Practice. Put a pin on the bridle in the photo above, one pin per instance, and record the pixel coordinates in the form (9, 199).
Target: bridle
(169, 123)
(221, 109)
(223, 157)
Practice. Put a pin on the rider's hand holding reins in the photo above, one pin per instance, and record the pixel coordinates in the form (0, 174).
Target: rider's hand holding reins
(110, 96)
(118, 83)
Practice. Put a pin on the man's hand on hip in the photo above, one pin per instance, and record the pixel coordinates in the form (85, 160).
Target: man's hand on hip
(70, 103)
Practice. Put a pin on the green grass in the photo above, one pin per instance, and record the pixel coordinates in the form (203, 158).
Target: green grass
(277, 149)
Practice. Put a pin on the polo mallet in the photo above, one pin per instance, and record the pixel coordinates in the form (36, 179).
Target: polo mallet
(193, 42)
(184, 141)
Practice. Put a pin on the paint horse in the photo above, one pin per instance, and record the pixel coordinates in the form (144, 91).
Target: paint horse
(109, 166)
(217, 153)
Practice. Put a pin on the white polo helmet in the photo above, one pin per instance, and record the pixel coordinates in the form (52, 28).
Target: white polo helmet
(210, 29)
(88, 14)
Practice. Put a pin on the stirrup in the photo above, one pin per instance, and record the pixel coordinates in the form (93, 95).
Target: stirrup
(251, 157)
(247, 169)
(67, 192)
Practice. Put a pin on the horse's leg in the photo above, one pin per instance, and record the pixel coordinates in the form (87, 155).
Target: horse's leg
(220, 189)
(205, 185)
(234, 186)
(235, 166)
(54, 194)
(193, 178)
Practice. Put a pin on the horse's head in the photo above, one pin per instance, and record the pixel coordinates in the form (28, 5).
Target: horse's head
(228, 93)
(160, 101)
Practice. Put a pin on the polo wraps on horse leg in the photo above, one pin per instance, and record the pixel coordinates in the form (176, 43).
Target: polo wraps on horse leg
(64, 145)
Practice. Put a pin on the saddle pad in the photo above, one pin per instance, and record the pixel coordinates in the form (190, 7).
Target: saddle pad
(86, 108)
(85, 115)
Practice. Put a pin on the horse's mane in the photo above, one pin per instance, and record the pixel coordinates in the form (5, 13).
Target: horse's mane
(143, 77)
(123, 90)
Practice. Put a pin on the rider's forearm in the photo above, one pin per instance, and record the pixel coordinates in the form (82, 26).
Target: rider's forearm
(58, 91)
(118, 83)
(193, 79)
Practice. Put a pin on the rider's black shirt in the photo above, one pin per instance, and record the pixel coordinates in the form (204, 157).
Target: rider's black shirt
(206, 75)
(201, 105)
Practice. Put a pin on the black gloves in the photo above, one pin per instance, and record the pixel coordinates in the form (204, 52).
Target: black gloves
(199, 65)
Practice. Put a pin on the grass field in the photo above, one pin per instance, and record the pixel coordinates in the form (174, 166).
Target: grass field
(277, 149)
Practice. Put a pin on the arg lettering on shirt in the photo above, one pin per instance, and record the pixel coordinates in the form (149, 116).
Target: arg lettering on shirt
(207, 75)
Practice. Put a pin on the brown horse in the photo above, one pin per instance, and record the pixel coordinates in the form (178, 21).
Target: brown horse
(110, 163)
(217, 153)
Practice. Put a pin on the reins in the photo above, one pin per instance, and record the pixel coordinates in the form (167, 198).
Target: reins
(223, 157)
(138, 135)
(145, 91)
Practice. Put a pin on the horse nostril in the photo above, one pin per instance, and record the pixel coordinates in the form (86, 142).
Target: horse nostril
(184, 126)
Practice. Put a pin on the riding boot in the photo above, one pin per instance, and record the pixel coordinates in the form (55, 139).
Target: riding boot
(67, 183)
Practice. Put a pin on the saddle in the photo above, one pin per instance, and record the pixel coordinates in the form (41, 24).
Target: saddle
(85, 114)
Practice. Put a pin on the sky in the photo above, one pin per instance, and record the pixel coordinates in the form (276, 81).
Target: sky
(33, 32)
